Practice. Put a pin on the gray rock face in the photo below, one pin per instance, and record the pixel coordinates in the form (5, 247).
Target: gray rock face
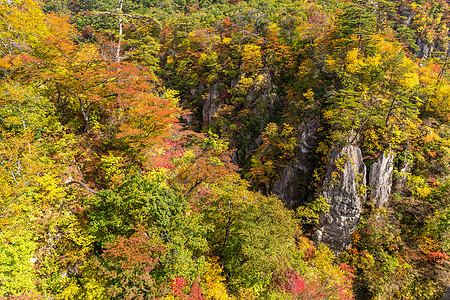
(211, 104)
(400, 182)
(292, 186)
(262, 94)
(407, 17)
(447, 294)
(259, 101)
(425, 50)
(380, 179)
(344, 187)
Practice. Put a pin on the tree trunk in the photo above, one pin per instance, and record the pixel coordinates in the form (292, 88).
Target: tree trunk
(120, 31)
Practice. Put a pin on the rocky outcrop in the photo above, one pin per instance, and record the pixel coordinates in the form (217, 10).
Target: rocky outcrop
(199, 89)
(425, 49)
(344, 188)
(404, 168)
(260, 104)
(262, 95)
(293, 186)
(447, 294)
(380, 179)
(406, 16)
(211, 104)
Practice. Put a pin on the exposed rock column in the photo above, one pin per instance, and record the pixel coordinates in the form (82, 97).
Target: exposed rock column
(380, 179)
(211, 105)
(404, 168)
(344, 187)
(293, 184)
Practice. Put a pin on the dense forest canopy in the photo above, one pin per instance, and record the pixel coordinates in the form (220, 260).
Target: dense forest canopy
(181, 149)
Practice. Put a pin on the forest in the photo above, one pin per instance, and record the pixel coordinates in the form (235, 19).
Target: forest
(224, 149)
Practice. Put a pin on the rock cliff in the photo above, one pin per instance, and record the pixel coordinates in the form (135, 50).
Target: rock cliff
(293, 185)
(211, 104)
(344, 187)
(380, 179)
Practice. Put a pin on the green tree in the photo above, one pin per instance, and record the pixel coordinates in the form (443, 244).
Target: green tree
(116, 214)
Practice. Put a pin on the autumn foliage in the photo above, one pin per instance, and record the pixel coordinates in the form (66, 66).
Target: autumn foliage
(141, 141)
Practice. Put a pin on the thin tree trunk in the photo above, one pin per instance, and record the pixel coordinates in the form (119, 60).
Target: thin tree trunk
(83, 185)
(441, 74)
(120, 31)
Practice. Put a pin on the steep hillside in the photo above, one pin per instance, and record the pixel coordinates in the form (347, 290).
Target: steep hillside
(186, 149)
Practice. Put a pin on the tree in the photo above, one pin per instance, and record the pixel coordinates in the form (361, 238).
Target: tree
(115, 215)
(253, 235)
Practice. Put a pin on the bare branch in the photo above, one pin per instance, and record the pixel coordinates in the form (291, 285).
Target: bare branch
(83, 185)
